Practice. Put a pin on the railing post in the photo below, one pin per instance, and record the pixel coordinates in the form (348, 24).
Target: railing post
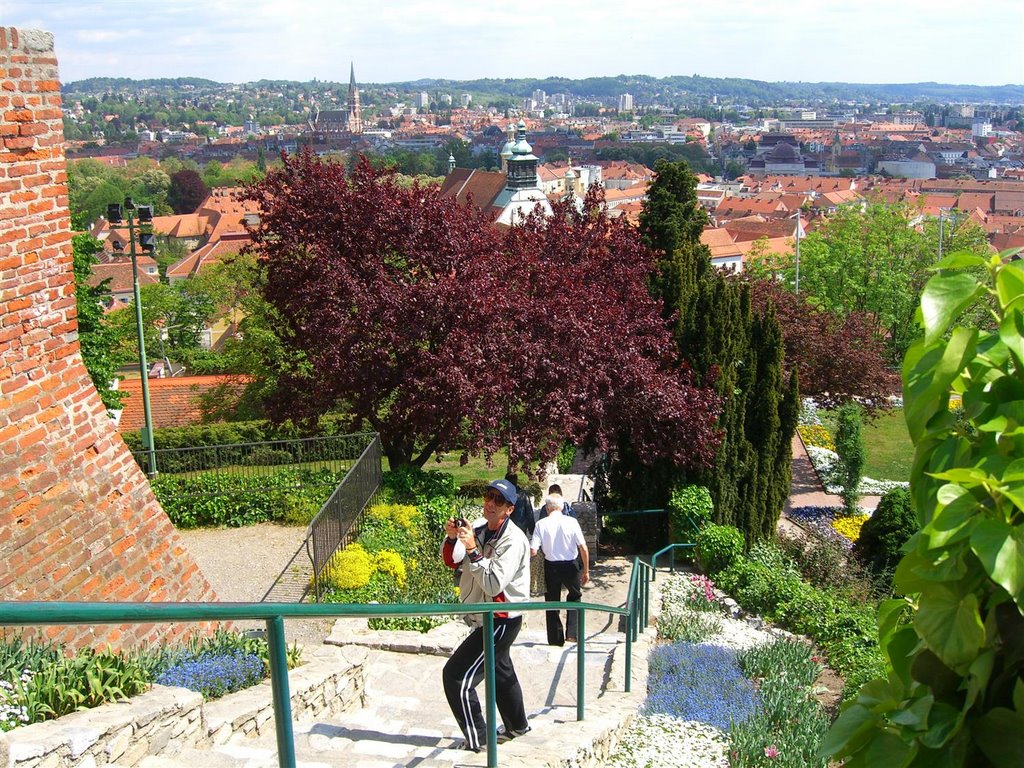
(647, 597)
(629, 643)
(489, 692)
(581, 657)
(279, 690)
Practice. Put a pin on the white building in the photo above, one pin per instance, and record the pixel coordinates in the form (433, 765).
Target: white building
(626, 103)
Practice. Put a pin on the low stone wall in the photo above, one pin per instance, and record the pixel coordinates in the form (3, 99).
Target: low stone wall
(165, 721)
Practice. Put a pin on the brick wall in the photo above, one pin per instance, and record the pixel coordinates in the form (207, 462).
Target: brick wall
(77, 518)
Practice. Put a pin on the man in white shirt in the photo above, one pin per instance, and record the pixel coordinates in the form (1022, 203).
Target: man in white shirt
(566, 564)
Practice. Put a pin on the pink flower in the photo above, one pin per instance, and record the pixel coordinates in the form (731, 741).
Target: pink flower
(771, 751)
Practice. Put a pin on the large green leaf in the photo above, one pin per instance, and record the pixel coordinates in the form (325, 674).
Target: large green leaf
(945, 296)
(1000, 735)
(849, 732)
(951, 522)
(1011, 333)
(943, 721)
(1000, 548)
(960, 260)
(887, 750)
(928, 375)
(1010, 285)
(949, 624)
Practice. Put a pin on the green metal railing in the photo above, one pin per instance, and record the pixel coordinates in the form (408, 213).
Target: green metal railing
(636, 611)
(671, 550)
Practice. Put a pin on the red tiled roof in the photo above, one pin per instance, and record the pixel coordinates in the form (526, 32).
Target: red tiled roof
(173, 402)
(482, 186)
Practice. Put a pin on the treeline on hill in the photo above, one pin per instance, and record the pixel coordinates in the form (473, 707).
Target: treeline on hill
(664, 90)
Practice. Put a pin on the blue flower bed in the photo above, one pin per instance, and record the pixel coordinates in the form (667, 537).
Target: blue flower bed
(819, 520)
(215, 675)
(699, 682)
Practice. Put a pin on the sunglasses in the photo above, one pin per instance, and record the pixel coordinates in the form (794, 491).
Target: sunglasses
(497, 498)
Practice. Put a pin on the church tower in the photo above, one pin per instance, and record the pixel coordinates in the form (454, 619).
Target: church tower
(355, 112)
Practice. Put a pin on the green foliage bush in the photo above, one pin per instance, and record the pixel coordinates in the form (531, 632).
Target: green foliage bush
(265, 456)
(850, 448)
(688, 506)
(565, 458)
(952, 693)
(768, 584)
(219, 499)
(824, 562)
(718, 547)
(884, 534)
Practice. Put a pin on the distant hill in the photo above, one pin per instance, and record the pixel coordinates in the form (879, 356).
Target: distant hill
(644, 88)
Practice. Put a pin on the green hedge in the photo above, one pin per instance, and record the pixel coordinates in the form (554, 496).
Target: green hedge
(235, 500)
(230, 433)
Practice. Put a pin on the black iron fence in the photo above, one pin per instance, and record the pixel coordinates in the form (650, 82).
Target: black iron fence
(337, 522)
(225, 466)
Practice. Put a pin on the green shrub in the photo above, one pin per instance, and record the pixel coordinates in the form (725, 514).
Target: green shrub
(473, 489)
(299, 509)
(718, 547)
(850, 448)
(565, 458)
(882, 537)
(689, 508)
(265, 456)
(219, 499)
(825, 563)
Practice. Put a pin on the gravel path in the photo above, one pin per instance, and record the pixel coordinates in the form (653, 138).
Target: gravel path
(242, 564)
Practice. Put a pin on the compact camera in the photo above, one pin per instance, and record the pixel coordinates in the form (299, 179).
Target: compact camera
(460, 522)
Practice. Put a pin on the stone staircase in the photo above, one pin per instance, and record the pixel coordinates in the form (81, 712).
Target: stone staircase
(405, 719)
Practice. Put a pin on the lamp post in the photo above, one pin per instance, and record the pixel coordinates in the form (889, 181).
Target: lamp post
(142, 218)
(941, 217)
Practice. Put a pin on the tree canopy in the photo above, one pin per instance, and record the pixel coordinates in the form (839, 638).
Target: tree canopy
(425, 323)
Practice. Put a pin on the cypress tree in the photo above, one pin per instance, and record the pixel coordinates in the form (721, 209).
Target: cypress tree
(728, 346)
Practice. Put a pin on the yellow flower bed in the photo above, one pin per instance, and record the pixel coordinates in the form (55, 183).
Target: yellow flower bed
(850, 526)
(349, 569)
(817, 436)
(402, 515)
(390, 562)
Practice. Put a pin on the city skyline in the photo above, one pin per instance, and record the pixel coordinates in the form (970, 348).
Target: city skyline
(234, 41)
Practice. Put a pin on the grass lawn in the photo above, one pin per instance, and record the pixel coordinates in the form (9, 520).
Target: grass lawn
(476, 469)
(890, 453)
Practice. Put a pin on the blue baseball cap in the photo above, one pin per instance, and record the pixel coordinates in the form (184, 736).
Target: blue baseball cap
(506, 489)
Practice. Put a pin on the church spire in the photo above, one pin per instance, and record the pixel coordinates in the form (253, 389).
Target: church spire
(355, 112)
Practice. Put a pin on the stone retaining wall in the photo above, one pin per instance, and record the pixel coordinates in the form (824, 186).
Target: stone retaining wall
(165, 721)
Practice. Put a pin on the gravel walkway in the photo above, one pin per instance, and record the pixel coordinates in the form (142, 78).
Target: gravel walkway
(242, 564)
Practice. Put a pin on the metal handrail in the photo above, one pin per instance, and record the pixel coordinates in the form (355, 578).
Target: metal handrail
(671, 549)
(64, 612)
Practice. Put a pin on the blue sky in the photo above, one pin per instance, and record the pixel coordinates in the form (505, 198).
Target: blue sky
(870, 41)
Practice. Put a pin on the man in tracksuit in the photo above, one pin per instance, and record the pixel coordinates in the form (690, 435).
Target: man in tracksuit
(496, 568)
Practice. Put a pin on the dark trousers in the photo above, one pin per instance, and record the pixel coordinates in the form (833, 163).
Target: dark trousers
(464, 671)
(567, 574)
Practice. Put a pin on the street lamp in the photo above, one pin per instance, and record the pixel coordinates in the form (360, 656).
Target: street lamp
(941, 217)
(140, 217)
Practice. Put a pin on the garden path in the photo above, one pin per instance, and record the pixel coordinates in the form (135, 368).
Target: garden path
(805, 488)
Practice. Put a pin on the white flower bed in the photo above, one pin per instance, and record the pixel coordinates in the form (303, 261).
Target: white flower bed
(826, 463)
(663, 740)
